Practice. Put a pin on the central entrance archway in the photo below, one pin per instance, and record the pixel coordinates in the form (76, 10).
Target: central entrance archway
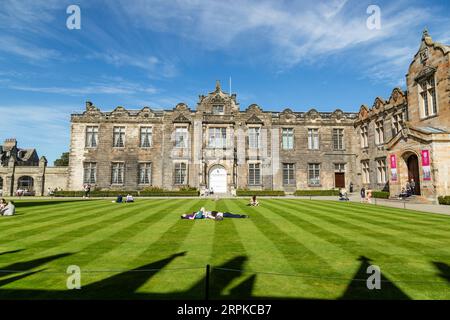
(218, 179)
(413, 172)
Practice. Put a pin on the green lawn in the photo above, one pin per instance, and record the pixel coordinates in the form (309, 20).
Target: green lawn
(287, 249)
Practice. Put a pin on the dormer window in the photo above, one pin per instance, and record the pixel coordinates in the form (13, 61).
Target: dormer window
(218, 109)
(427, 97)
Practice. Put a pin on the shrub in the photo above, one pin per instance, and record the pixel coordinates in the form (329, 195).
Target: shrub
(445, 200)
(148, 192)
(249, 193)
(331, 192)
(380, 194)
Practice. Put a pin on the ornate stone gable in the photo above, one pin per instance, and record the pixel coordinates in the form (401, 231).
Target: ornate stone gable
(181, 118)
(254, 119)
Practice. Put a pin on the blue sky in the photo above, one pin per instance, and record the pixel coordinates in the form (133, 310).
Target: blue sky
(135, 53)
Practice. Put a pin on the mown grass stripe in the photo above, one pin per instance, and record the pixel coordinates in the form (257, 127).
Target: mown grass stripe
(29, 216)
(370, 211)
(27, 231)
(380, 239)
(386, 224)
(79, 227)
(368, 229)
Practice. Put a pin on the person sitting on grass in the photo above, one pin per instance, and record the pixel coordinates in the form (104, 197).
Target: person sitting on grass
(254, 202)
(119, 199)
(9, 209)
(2, 204)
(343, 195)
(129, 198)
(195, 215)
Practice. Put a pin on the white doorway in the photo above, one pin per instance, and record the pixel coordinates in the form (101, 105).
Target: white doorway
(218, 179)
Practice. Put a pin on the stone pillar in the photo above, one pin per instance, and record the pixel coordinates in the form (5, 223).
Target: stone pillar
(39, 181)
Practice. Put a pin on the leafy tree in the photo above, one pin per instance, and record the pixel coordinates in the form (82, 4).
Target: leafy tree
(63, 161)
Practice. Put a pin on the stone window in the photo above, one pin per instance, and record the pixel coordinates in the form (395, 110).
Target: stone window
(287, 138)
(145, 173)
(254, 174)
(339, 167)
(427, 94)
(379, 132)
(180, 174)
(117, 172)
(365, 171)
(217, 109)
(314, 174)
(119, 137)
(90, 172)
(254, 138)
(397, 120)
(313, 139)
(217, 137)
(91, 137)
(146, 137)
(288, 174)
(181, 137)
(364, 136)
(338, 139)
(381, 170)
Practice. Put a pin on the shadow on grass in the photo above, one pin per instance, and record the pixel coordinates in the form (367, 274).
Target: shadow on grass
(125, 284)
(9, 252)
(444, 270)
(24, 266)
(357, 288)
(38, 203)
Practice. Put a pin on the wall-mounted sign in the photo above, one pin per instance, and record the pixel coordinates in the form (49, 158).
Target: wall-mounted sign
(393, 161)
(426, 165)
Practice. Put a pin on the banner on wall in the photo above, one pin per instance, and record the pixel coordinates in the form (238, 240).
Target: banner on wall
(393, 167)
(426, 165)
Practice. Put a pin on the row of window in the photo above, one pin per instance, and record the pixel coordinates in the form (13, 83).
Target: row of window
(217, 137)
(381, 169)
(180, 173)
(379, 130)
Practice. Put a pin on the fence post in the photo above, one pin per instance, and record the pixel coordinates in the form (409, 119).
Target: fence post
(404, 204)
(208, 269)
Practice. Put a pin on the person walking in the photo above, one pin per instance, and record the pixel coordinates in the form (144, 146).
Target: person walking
(363, 194)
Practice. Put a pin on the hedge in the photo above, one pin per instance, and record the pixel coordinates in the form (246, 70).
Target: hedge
(380, 194)
(143, 193)
(316, 192)
(249, 193)
(444, 200)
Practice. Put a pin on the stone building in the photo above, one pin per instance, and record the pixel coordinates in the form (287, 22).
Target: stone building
(23, 169)
(408, 136)
(221, 147)
(217, 146)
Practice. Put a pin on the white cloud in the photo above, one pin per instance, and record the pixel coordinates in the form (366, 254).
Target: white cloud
(122, 87)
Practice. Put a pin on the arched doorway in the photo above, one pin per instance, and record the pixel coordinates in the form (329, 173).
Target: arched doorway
(413, 172)
(218, 179)
(25, 183)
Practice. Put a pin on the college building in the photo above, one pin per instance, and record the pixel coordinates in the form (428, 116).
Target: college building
(223, 147)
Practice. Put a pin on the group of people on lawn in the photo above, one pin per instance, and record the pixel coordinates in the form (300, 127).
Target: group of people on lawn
(215, 215)
(7, 208)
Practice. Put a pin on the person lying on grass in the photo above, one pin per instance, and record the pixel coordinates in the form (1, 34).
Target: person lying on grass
(217, 215)
(194, 215)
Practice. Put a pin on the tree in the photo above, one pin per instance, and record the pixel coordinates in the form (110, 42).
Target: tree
(63, 161)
